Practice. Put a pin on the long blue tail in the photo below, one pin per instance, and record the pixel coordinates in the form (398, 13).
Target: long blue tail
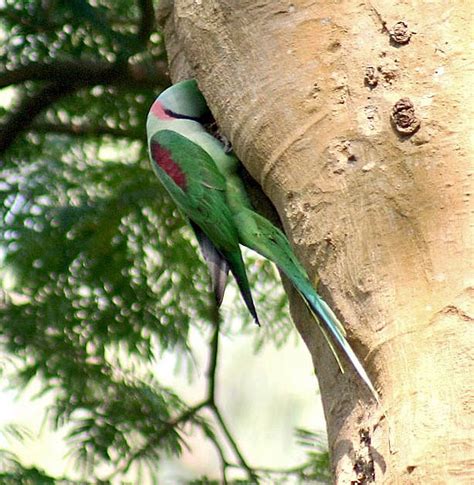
(262, 236)
(330, 323)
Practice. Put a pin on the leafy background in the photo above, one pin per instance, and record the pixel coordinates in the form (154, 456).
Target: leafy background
(100, 277)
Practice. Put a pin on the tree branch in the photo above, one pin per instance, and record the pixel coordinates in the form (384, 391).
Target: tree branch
(147, 20)
(211, 373)
(214, 351)
(223, 461)
(235, 448)
(64, 71)
(165, 429)
(208, 402)
(45, 25)
(64, 77)
(89, 73)
(29, 109)
(10, 14)
(84, 130)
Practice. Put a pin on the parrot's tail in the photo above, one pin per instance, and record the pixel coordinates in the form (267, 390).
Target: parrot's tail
(329, 323)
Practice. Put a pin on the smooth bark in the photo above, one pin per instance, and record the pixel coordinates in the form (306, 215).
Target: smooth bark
(374, 192)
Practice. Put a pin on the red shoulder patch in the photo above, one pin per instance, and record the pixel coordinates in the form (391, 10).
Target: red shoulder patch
(162, 157)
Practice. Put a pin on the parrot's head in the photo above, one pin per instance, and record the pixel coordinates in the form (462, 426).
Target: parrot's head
(182, 101)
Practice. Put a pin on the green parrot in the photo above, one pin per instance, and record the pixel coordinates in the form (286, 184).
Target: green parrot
(201, 176)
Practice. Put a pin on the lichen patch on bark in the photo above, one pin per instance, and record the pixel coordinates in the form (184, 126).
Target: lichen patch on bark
(364, 468)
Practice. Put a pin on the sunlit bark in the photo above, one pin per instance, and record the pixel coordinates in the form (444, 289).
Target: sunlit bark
(354, 118)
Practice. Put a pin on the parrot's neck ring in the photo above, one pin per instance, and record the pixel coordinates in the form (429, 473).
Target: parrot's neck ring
(198, 119)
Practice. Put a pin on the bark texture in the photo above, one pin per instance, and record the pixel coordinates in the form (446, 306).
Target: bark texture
(354, 119)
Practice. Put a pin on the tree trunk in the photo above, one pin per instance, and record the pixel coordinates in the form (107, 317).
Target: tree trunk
(354, 119)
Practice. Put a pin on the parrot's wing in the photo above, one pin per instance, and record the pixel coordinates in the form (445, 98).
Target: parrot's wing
(262, 236)
(193, 180)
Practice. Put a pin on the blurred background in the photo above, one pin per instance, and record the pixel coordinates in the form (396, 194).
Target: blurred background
(112, 370)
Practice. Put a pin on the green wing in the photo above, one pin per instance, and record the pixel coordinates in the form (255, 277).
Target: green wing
(201, 194)
(194, 182)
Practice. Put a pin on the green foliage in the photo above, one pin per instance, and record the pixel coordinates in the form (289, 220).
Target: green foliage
(100, 274)
(318, 464)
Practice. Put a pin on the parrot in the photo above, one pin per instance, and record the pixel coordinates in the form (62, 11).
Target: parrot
(202, 176)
